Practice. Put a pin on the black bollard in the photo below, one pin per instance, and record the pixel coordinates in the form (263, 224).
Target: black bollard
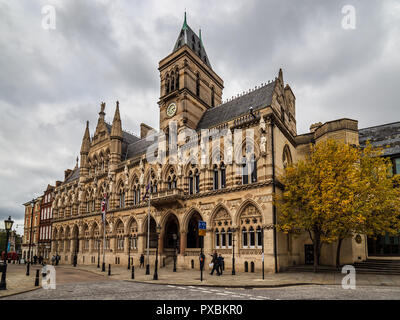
(109, 269)
(37, 278)
(27, 269)
(133, 273)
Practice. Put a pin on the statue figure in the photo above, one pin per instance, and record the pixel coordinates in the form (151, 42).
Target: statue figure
(159, 172)
(229, 157)
(126, 173)
(141, 178)
(263, 126)
(263, 141)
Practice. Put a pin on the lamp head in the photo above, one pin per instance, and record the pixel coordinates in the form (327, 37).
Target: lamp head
(8, 223)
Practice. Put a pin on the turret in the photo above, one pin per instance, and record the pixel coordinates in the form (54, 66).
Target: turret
(85, 147)
(116, 138)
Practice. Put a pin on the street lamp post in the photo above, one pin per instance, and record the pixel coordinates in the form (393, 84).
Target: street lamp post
(8, 225)
(262, 230)
(174, 236)
(30, 240)
(155, 276)
(98, 253)
(233, 252)
(129, 252)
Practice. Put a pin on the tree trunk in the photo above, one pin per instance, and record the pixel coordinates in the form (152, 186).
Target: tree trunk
(316, 251)
(338, 252)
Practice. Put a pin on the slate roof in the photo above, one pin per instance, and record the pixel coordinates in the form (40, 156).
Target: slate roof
(189, 37)
(137, 148)
(73, 176)
(126, 136)
(382, 136)
(258, 99)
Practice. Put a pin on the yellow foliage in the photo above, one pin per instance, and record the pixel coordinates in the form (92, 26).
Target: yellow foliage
(340, 190)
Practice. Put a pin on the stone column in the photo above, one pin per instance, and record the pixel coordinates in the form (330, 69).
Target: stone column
(141, 243)
(183, 242)
(126, 244)
(208, 242)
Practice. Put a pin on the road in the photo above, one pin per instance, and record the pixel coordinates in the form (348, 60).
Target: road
(82, 285)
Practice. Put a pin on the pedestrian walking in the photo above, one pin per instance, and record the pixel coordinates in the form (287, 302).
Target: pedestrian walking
(53, 260)
(220, 263)
(214, 262)
(141, 260)
(35, 258)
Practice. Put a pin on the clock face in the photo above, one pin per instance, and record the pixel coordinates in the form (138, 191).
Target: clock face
(171, 110)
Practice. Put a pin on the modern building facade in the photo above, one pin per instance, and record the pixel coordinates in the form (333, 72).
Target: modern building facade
(386, 136)
(230, 187)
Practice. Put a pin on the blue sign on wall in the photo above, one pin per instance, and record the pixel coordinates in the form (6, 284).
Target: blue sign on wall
(202, 225)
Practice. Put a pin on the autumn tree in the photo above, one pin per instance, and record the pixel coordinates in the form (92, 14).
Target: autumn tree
(337, 191)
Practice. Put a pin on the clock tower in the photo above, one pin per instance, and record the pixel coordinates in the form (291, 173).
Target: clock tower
(189, 86)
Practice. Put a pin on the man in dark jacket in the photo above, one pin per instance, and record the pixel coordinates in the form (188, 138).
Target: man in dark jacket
(141, 261)
(220, 264)
(214, 262)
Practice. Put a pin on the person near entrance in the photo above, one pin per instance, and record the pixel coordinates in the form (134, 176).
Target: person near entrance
(141, 259)
(214, 262)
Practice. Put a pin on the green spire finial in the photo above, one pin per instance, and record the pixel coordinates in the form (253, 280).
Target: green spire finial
(185, 25)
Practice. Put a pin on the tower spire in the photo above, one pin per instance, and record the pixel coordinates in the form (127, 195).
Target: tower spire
(116, 129)
(185, 25)
(201, 40)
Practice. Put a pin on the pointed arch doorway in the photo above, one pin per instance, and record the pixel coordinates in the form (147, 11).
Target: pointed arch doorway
(193, 239)
(171, 235)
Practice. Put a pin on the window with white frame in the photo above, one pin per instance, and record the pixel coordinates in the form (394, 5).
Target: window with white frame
(217, 242)
(222, 222)
(250, 223)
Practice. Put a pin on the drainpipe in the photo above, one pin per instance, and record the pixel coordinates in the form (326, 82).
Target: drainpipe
(273, 191)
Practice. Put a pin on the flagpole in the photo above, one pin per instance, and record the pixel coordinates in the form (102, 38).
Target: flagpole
(148, 239)
(103, 267)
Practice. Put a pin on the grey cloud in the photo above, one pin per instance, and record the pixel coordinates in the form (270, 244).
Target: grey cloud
(51, 82)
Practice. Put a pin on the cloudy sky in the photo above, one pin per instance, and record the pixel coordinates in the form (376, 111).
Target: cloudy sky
(52, 81)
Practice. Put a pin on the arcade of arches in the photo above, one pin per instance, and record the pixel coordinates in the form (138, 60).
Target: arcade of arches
(175, 233)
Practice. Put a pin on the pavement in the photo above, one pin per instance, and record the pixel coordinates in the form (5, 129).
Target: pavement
(191, 277)
(17, 281)
(89, 283)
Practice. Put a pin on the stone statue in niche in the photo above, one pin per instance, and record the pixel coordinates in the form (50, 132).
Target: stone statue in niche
(263, 143)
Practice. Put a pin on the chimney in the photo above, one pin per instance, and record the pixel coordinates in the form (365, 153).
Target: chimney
(315, 126)
(67, 173)
(144, 128)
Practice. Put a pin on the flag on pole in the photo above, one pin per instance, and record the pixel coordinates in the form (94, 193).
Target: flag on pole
(103, 208)
(147, 191)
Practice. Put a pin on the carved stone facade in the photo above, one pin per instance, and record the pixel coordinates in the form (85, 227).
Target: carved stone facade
(233, 198)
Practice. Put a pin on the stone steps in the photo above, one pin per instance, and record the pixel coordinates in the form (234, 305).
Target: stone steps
(370, 266)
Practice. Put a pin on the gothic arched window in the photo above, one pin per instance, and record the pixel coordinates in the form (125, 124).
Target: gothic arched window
(212, 97)
(198, 85)
(286, 157)
(197, 181)
(177, 79)
(190, 182)
(216, 184)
